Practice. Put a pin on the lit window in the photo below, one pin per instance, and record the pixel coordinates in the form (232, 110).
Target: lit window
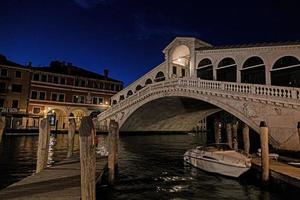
(36, 110)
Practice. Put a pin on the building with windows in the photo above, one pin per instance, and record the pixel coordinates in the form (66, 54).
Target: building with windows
(61, 91)
(14, 89)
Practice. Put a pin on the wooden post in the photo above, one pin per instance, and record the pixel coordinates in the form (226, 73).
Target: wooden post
(2, 127)
(264, 143)
(217, 132)
(71, 135)
(87, 159)
(246, 139)
(112, 150)
(43, 145)
(229, 134)
(298, 131)
(235, 135)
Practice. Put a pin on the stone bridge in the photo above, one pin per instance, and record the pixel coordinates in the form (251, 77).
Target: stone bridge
(175, 96)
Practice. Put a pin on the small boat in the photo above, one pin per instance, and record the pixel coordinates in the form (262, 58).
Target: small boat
(273, 156)
(218, 158)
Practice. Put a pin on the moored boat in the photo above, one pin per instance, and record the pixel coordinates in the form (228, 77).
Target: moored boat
(218, 158)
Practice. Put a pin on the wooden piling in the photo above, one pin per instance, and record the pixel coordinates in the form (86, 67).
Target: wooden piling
(112, 150)
(43, 144)
(264, 143)
(71, 136)
(217, 132)
(235, 135)
(229, 134)
(246, 139)
(298, 127)
(87, 159)
(2, 127)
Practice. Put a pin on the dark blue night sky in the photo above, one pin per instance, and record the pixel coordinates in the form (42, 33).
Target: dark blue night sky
(127, 36)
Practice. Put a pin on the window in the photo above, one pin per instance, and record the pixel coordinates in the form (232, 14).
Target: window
(18, 74)
(97, 100)
(2, 87)
(44, 77)
(62, 80)
(112, 87)
(101, 85)
(61, 97)
(174, 70)
(16, 88)
(15, 104)
(55, 79)
(36, 110)
(53, 96)
(78, 99)
(1, 103)
(182, 72)
(36, 77)
(3, 72)
(42, 96)
(33, 94)
(80, 83)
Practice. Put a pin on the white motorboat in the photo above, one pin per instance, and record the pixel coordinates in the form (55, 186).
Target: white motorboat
(218, 158)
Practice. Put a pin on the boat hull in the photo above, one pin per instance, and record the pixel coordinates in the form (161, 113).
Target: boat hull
(215, 166)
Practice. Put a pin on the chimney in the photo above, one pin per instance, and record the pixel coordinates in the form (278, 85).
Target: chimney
(106, 73)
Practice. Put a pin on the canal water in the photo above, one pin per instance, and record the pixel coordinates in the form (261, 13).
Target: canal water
(150, 167)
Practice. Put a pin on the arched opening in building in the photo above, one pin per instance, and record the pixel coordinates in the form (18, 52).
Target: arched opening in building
(180, 61)
(226, 70)
(253, 71)
(77, 115)
(148, 81)
(138, 87)
(121, 98)
(57, 119)
(114, 102)
(286, 72)
(160, 76)
(129, 93)
(205, 69)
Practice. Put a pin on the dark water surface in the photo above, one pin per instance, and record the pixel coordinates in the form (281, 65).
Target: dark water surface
(150, 167)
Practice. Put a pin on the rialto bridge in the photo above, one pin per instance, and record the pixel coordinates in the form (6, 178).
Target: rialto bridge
(254, 83)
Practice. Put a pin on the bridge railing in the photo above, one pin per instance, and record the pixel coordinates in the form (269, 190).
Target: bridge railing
(255, 90)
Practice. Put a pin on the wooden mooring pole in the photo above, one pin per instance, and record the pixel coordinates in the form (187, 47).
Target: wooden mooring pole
(43, 144)
(246, 139)
(235, 135)
(229, 134)
(2, 127)
(87, 159)
(71, 136)
(298, 127)
(113, 136)
(264, 143)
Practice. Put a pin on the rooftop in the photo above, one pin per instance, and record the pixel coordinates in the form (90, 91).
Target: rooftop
(4, 61)
(249, 45)
(69, 69)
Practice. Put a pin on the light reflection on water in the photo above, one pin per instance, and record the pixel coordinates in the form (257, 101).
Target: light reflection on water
(150, 167)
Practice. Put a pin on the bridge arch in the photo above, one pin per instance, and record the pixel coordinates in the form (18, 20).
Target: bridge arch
(187, 94)
(253, 71)
(148, 81)
(227, 70)
(286, 72)
(205, 69)
(138, 87)
(160, 76)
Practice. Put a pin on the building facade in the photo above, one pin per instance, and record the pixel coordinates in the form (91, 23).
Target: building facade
(14, 89)
(63, 91)
(59, 91)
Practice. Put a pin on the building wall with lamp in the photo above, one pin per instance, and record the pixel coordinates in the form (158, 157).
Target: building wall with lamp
(62, 91)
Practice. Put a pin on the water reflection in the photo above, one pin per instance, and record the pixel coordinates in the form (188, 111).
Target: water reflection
(150, 167)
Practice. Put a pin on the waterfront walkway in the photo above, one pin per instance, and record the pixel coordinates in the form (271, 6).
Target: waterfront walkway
(280, 171)
(61, 181)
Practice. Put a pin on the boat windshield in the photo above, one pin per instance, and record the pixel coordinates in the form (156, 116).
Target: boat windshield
(217, 147)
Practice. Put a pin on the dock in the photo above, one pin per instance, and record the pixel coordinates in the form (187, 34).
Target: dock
(61, 181)
(280, 171)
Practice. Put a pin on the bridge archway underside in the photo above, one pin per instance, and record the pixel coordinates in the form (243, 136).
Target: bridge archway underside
(278, 106)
